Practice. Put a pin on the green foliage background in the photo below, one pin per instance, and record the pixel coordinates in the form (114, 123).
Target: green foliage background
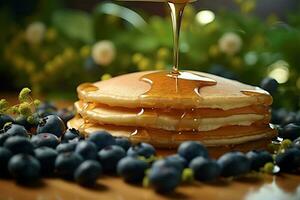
(143, 42)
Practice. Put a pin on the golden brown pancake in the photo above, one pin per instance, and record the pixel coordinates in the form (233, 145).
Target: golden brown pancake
(166, 109)
(230, 135)
(130, 90)
(196, 119)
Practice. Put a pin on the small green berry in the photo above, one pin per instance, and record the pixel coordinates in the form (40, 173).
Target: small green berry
(187, 175)
(36, 102)
(25, 109)
(286, 143)
(3, 105)
(24, 95)
(146, 182)
(268, 168)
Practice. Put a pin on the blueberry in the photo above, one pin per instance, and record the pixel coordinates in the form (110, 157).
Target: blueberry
(259, 158)
(102, 139)
(88, 172)
(45, 139)
(141, 149)
(18, 144)
(290, 131)
(110, 156)
(298, 118)
(205, 169)
(15, 130)
(71, 134)
(177, 158)
(46, 108)
(164, 179)
(269, 84)
(234, 164)
(65, 114)
(3, 138)
(123, 142)
(289, 160)
(132, 169)
(51, 124)
(278, 115)
(66, 147)
(5, 155)
(66, 164)
(169, 163)
(21, 120)
(24, 168)
(46, 156)
(289, 118)
(296, 143)
(192, 149)
(5, 119)
(87, 150)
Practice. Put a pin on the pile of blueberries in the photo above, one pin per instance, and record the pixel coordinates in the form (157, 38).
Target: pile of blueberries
(47, 149)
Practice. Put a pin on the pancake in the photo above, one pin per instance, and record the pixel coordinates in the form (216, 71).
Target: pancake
(222, 137)
(173, 120)
(132, 91)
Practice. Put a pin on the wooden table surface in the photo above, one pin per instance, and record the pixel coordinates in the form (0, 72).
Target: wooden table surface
(265, 187)
(260, 187)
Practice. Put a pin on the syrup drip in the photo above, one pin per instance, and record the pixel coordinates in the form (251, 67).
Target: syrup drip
(88, 87)
(87, 107)
(255, 92)
(181, 85)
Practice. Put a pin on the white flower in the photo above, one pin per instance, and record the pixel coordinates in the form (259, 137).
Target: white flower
(230, 43)
(35, 33)
(103, 52)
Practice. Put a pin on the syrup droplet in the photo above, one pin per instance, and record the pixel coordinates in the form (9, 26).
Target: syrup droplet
(182, 85)
(88, 87)
(255, 92)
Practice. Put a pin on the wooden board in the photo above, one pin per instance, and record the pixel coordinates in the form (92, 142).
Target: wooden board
(264, 187)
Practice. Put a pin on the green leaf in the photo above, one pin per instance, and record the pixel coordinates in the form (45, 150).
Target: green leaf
(74, 24)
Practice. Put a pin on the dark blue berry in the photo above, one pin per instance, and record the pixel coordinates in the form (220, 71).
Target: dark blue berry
(5, 155)
(169, 163)
(24, 168)
(259, 158)
(290, 131)
(18, 144)
(22, 120)
(290, 118)
(132, 169)
(45, 139)
(296, 143)
(102, 139)
(191, 149)
(65, 114)
(15, 130)
(67, 163)
(298, 118)
(205, 169)
(141, 149)
(123, 142)
(87, 150)
(51, 124)
(46, 108)
(3, 138)
(110, 156)
(234, 164)
(5, 119)
(269, 84)
(164, 179)
(66, 147)
(177, 158)
(71, 135)
(46, 156)
(278, 115)
(88, 172)
(289, 160)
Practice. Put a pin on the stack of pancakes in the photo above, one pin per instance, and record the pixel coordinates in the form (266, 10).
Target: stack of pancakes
(165, 110)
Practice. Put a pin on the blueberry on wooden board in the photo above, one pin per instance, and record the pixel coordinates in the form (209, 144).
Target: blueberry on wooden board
(51, 124)
(141, 149)
(88, 172)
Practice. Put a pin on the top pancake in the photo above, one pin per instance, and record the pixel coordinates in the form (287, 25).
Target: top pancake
(129, 91)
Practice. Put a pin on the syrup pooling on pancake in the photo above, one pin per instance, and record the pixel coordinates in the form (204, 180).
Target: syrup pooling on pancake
(178, 85)
(258, 92)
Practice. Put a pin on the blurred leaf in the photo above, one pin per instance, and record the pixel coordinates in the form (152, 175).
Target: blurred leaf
(74, 24)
